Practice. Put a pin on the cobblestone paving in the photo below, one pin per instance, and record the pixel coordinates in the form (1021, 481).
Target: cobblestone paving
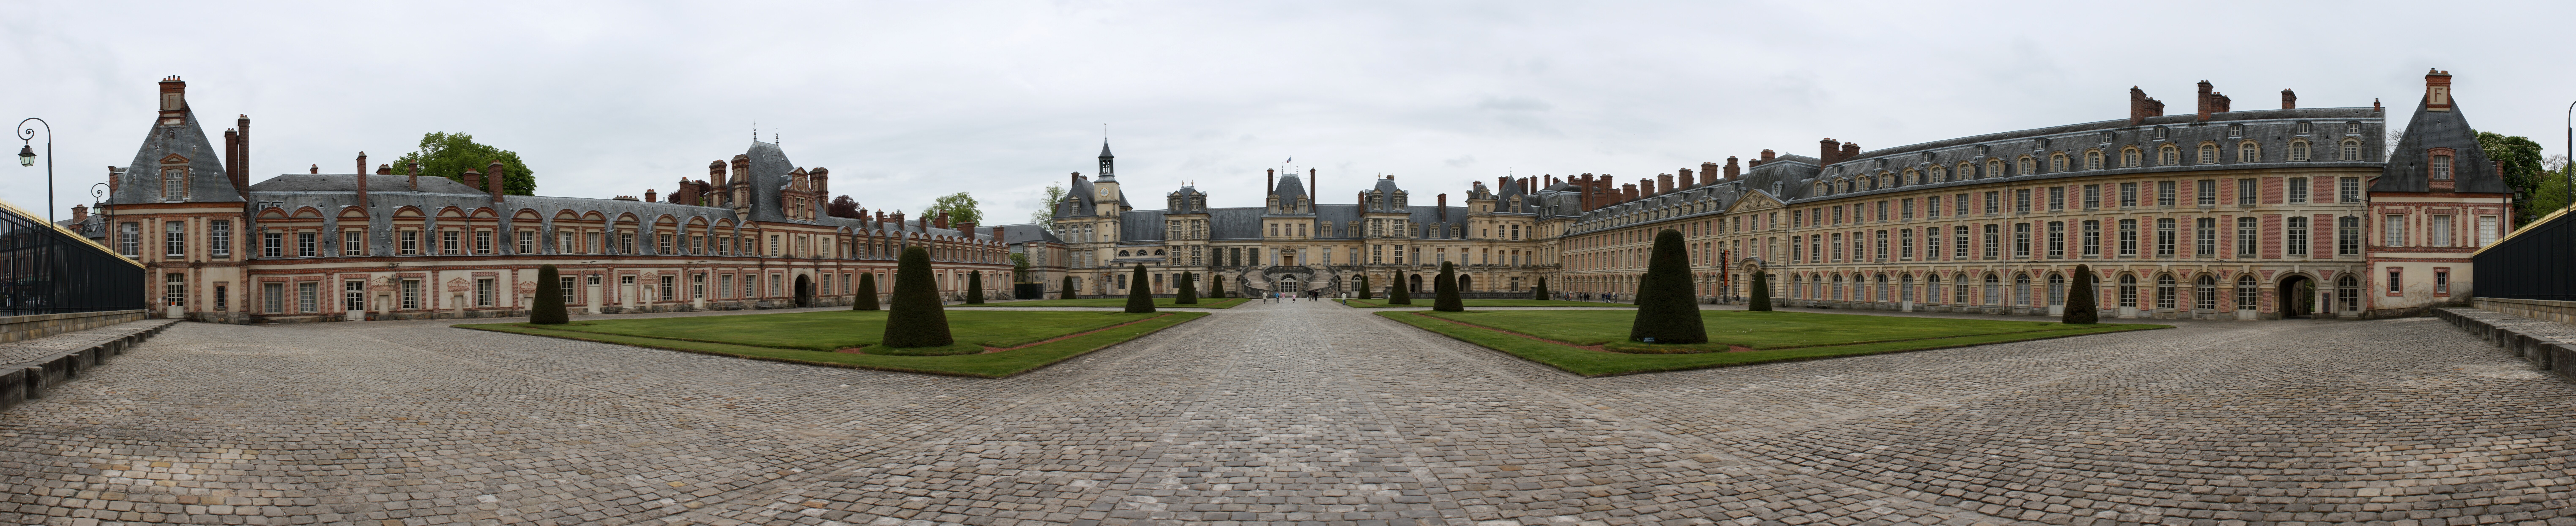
(1301, 414)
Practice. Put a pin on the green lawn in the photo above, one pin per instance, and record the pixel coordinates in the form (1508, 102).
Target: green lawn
(1159, 303)
(1426, 303)
(810, 337)
(1775, 336)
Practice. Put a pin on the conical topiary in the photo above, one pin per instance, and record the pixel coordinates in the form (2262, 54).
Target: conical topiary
(1761, 293)
(916, 318)
(1139, 300)
(1397, 294)
(1665, 310)
(1068, 289)
(1365, 291)
(867, 299)
(549, 309)
(1540, 293)
(1189, 293)
(1216, 287)
(2080, 306)
(1444, 290)
(974, 287)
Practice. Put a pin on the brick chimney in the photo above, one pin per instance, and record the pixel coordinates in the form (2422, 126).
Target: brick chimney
(1767, 155)
(715, 179)
(493, 177)
(362, 181)
(997, 234)
(1444, 207)
(80, 213)
(415, 176)
(1828, 152)
(738, 189)
(898, 220)
(2137, 106)
(2211, 101)
(2437, 90)
(1683, 177)
(966, 228)
(943, 219)
(1628, 191)
(1851, 150)
(1664, 184)
(1708, 173)
(650, 196)
(2289, 99)
(315, 169)
(232, 156)
(174, 101)
(1733, 171)
(822, 180)
(1270, 180)
(241, 153)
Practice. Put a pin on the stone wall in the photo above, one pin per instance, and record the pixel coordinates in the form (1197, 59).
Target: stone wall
(2549, 345)
(32, 326)
(2557, 311)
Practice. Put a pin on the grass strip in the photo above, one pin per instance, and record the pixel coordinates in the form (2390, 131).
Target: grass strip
(1159, 303)
(990, 365)
(1599, 363)
(835, 330)
(1380, 303)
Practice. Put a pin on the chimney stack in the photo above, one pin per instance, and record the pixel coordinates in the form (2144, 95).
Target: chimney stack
(2137, 106)
(80, 213)
(2211, 101)
(650, 196)
(2437, 91)
(174, 101)
(2289, 99)
(241, 154)
(1732, 171)
(1663, 184)
(822, 180)
(232, 157)
(415, 176)
(1683, 177)
(1851, 150)
(362, 165)
(1708, 173)
(943, 219)
(315, 169)
(1270, 180)
(997, 234)
(1767, 155)
(472, 178)
(1828, 152)
(1444, 207)
(1628, 192)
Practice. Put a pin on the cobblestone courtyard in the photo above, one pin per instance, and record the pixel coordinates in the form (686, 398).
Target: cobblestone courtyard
(1298, 413)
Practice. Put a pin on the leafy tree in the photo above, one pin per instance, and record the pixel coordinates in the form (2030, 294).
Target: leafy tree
(1666, 311)
(1444, 290)
(843, 206)
(2548, 194)
(1139, 300)
(2522, 161)
(1216, 287)
(959, 206)
(549, 309)
(1044, 217)
(1365, 291)
(975, 287)
(1761, 293)
(449, 155)
(1539, 293)
(1397, 294)
(1019, 267)
(917, 319)
(867, 299)
(1067, 293)
(2080, 307)
(1189, 289)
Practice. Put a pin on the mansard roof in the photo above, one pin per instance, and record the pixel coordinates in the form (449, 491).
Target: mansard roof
(2471, 170)
(207, 179)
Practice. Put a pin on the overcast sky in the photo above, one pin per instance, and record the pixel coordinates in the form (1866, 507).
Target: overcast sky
(905, 101)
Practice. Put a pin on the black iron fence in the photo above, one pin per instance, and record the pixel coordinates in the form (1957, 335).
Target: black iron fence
(46, 270)
(2531, 264)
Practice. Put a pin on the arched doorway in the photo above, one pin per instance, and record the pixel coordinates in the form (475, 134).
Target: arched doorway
(1463, 283)
(804, 291)
(2298, 297)
(1413, 283)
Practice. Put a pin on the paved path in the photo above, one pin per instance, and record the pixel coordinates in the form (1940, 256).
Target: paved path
(1298, 413)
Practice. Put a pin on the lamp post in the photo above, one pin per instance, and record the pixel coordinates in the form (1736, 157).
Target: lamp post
(2570, 168)
(27, 157)
(98, 205)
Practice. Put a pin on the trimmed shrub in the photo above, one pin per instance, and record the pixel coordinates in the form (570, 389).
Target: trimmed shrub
(974, 287)
(916, 319)
(867, 299)
(1365, 291)
(1397, 293)
(1139, 300)
(2080, 308)
(1068, 289)
(1216, 288)
(1666, 311)
(1761, 293)
(549, 309)
(1539, 293)
(1444, 290)
(1189, 293)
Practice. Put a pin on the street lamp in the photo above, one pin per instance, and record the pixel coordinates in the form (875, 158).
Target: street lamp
(27, 157)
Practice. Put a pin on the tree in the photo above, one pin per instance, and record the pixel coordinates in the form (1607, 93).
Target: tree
(975, 287)
(1139, 300)
(1539, 293)
(1189, 292)
(549, 309)
(1053, 197)
(843, 206)
(1020, 268)
(449, 155)
(2523, 170)
(1398, 294)
(1365, 291)
(1216, 287)
(1067, 293)
(2080, 307)
(959, 206)
(867, 299)
(1444, 290)
(916, 319)
(1666, 313)
(1761, 292)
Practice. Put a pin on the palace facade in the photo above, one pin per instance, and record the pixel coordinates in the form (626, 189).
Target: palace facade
(328, 247)
(2213, 214)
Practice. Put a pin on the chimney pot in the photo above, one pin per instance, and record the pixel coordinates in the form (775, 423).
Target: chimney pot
(317, 168)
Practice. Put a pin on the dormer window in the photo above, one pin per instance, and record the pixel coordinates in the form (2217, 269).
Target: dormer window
(2441, 168)
(2305, 128)
(2236, 130)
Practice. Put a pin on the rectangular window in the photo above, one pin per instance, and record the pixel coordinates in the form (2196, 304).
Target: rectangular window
(482, 292)
(2021, 240)
(129, 238)
(1959, 238)
(410, 294)
(2205, 192)
(2347, 236)
(447, 242)
(2056, 198)
(527, 242)
(2128, 238)
(2056, 239)
(2348, 190)
(2092, 244)
(2439, 229)
(482, 241)
(304, 244)
(174, 290)
(2092, 196)
(1905, 244)
(2298, 190)
(568, 297)
(2165, 237)
(2295, 237)
(1994, 202)
(1838, 215)
(308, 297)
(1994, 241)
(590, 242)
(669, 290)
(2392, 232)
(2441, 283)
(273, 298)
(272, 244)
(1838, 248)
(626, 243)
(1881, 214)
(2248, 190)
(2164, 193)
(410, 242)
(2128, 195)
(2204, 236)
(698, 285)
(219, 238)
(1959, 205)
(2395, 285)
(662, 243)
(174, 239)
(353, 243)
(1879, 245)
(2487, 226)
(353, 296)
(724, 286)
(2021, 201)
(1931, 206)
(2247, 240)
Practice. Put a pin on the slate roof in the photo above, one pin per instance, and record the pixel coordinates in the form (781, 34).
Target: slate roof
(1026, 232)
(1289, 187)
(207, 181)
(2471, 170)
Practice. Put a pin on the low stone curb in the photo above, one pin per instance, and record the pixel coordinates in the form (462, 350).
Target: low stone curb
(30, 379)
(2549, 344)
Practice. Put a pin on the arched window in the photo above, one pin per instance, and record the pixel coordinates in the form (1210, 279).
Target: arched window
(2168, 155)
(2093, 160)
(2021, 290)
(1837, 290)
(2056, 288)
(2028, 165)
(1959, 290)
(1913, 178)
(2351, 149)
(1905, 287)
(2299, 150)
(2208, 154)
(2204, 292)
(1994, 289)
(1881, 296)
(1931, 288)
(2128, 290)
(1965, 171)
(2057, 163)
(2165, 291)
(2248, 152)
(1994, 168)
(1939, 175)
(1888, 180)
(2247, 292)
(1820, 188)
(2129, 157)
